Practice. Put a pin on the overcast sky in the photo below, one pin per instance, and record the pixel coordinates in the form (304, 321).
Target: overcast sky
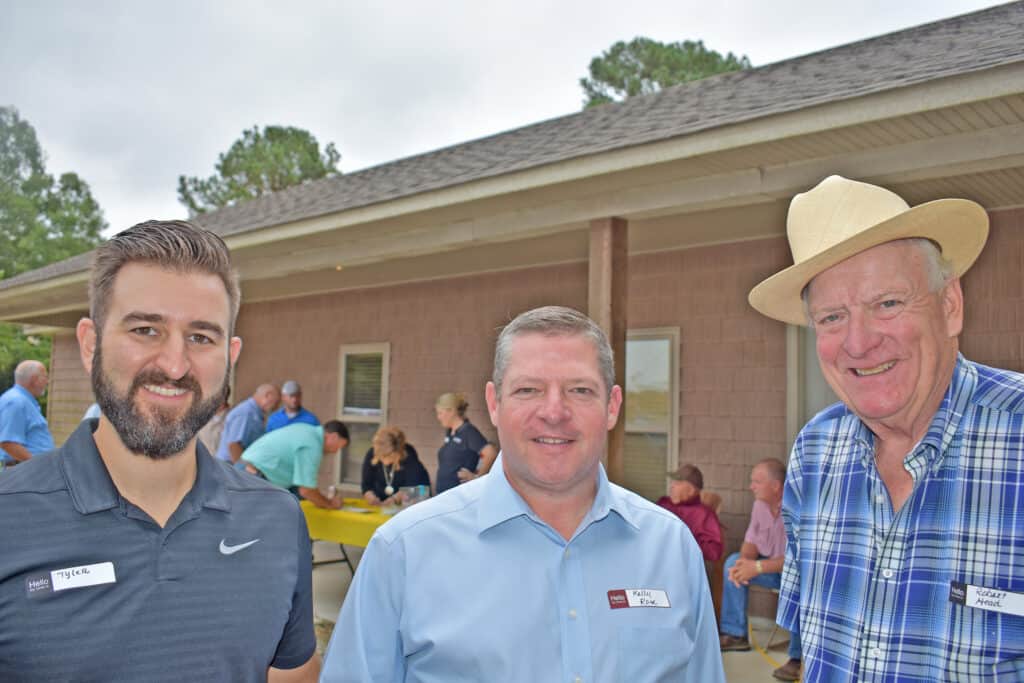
(130, 95)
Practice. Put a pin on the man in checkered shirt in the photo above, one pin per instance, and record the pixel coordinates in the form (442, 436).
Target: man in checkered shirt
(904, 504)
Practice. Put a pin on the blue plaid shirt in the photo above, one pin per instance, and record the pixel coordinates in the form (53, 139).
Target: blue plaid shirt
(871, 589)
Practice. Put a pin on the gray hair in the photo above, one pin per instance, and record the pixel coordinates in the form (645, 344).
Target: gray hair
(175, 245)
(27, 370)
(940, 269)
(554, 321)
(775, 468)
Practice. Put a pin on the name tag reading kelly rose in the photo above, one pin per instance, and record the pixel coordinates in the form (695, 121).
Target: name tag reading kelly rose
(637, 597)
(46, 583)
(991, 599)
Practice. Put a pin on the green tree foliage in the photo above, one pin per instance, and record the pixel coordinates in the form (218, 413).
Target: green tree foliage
(259, 162)
(42, 220)
(643, 66)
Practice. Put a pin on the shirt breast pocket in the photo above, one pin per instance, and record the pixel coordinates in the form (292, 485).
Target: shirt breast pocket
(652, 654)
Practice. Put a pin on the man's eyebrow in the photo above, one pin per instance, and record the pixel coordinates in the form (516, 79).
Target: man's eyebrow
(156, 318)
(140, 317)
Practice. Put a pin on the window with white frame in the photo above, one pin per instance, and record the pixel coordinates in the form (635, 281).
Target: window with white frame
(807, 392)
(652, 409)
(363, 401)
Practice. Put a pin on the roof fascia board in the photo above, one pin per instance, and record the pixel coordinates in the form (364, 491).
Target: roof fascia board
(924, 159)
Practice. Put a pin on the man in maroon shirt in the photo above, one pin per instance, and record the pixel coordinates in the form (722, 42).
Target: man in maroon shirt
(683, 499)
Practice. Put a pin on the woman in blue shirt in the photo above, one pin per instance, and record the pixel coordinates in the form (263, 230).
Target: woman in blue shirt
(465, 454)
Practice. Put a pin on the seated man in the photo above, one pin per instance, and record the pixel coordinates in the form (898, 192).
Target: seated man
(759, 561)
(290, 458)
(683, 500)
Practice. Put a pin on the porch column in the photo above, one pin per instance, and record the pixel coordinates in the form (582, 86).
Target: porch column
(607, 298)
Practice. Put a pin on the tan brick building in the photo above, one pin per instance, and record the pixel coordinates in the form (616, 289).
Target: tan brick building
(381, 289)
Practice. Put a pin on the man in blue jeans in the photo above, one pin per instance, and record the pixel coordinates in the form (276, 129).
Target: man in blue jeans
(758, 562)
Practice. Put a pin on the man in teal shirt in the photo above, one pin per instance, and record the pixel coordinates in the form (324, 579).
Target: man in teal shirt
(289, 457)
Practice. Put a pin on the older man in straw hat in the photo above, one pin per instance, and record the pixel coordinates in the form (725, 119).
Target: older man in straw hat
(904, 504)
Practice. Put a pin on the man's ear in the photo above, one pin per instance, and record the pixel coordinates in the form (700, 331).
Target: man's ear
(234, 349)
(491, 395)
(86, 333)
(953, 307)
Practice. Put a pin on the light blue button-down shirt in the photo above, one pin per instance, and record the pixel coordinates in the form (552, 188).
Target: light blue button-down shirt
(473, 586)
(22, 422)
(243, 424)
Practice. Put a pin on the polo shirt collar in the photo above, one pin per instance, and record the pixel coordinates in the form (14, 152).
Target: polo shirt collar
(92, 489)
(504, 503)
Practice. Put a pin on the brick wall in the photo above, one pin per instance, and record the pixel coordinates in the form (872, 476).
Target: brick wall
(994, 296)
(70, 391)
(732, 361)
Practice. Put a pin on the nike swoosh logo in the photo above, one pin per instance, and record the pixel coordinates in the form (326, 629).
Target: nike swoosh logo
(226, 549)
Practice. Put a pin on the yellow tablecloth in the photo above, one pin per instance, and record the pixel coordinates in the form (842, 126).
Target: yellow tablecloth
(343, 526)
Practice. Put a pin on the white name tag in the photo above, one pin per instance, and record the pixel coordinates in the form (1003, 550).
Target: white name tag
(85, 575)
(637, 597)
(991, 599)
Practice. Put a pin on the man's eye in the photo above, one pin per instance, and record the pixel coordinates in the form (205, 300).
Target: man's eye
(583, 391)
(199, 339)
(889, 303)
(828, 319)
(144, 331)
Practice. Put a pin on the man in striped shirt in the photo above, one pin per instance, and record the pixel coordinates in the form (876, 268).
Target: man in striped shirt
(904, 504)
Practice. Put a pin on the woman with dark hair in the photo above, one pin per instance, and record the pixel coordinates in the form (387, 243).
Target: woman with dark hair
(465, 454)
(389, 465)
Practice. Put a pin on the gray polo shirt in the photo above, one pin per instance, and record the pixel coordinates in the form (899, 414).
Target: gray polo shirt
(91, 588)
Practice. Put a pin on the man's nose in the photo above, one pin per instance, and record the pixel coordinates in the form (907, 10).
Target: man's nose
(173, 358)
(555, 408)
(861, 335)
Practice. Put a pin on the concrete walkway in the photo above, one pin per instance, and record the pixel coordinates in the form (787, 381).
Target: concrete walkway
(331, 581)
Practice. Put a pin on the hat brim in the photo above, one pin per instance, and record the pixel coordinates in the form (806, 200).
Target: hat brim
(958, 226)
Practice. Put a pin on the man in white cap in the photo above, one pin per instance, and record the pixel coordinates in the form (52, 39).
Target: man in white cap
(291, 411)
(904, 504)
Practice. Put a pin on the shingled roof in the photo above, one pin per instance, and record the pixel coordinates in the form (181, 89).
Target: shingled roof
(942, 49)
(949, 47)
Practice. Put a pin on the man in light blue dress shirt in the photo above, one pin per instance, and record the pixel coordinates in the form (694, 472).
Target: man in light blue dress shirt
(244, 423)
(23, 429)
(542, 570)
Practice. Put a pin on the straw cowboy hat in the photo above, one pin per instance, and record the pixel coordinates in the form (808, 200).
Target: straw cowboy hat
(840, 218)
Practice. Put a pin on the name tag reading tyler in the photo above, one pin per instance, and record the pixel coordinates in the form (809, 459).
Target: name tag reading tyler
(991, 599)
(70, 577)
(637, 597)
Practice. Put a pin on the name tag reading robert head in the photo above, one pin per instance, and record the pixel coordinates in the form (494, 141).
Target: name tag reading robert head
(637, 597)
(47, 583)
(991, 599)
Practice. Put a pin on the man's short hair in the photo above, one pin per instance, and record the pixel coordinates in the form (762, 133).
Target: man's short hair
(336, 427)
(775, 468)
(554, 321)
(173, 245)
(26, 370)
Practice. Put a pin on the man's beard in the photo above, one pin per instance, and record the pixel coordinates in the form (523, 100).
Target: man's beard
(156, 435)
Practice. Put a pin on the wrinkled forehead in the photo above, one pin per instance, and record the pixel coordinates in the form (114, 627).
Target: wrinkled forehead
(880, 266)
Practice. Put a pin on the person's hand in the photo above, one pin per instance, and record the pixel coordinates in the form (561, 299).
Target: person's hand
(465, 474)
(334, 502)
(742, 572)
(371, 498)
